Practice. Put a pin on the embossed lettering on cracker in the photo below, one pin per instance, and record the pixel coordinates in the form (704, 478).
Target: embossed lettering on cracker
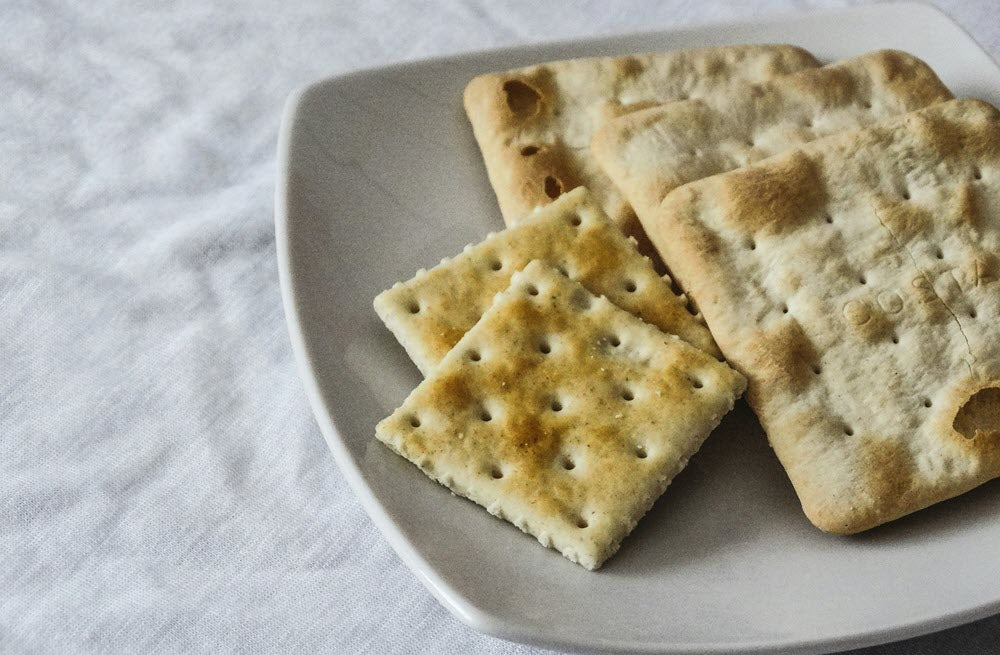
(429, 313)
(534, 124)
(562, 414)
(854, 281)
(651, 152)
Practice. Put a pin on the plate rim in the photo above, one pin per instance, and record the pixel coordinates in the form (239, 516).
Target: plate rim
(449, 597)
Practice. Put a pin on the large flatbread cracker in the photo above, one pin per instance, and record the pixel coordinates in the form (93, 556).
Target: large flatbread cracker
(649, 153)
(534, 124)
(562, 414)
(854, 280)
(429, 313)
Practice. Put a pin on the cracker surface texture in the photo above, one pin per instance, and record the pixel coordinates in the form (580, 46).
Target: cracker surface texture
(534, 125)
(563, 414)
(854, 280)
(429, 313)
(651, 152)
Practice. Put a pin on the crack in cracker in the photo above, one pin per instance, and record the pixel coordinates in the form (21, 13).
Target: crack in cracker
(926, 276)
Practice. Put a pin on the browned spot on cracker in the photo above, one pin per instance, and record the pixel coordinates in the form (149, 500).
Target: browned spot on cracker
(888, 468)
(964, 209)
(775, 197)
(782, 356)
(866, 320)
(903, 220)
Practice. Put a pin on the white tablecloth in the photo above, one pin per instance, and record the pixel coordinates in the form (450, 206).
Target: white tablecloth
(163, 487)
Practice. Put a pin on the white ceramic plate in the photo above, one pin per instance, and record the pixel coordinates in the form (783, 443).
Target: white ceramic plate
(379, 176)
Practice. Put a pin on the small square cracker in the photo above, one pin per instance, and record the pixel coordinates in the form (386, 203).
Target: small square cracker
(562, 414)
(854, 280)
(571, 233)
(651, 152)
(534, 124)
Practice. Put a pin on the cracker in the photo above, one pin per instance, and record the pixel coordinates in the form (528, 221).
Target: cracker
(429, 313)
(854, 280)
(534, 124)
(649, 153)
(562, 414)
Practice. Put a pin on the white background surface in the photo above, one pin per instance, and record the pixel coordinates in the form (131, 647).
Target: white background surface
(163, 486)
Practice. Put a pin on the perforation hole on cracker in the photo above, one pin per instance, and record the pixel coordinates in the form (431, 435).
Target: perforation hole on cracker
(521, 98)
(553, 187)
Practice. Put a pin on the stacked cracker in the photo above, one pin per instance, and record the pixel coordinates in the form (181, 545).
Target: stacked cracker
(836, 226)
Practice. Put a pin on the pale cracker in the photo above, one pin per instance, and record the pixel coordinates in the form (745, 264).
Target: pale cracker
(854, 280)
(429, 313)
(563, 414)
(534, 124)
(651, 152)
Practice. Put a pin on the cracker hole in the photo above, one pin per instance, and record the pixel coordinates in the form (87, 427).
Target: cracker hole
(567, 464)
(784, 309)
(413, 308)
(972, 313)
(485, 416)
(696, 383)
(414, 422)
(808, 123)
(848, 430)
(895, 338)
(496, 473)
(752, 245)
(906, 195)
(556, 406)
(496, 265)
(474, 355)
(977, 174)
(575, 221)
(862, 279)
(614, 341)
(628, 395)
(750, 143)
(866, 104)
(553, 187)
(521, 98)
(927, 402)
(581, 522)
(979, 415)
(817, 370)
(640, 452)
(829, 219)
(630, 286)
(532, 290)
(544, 347)
(938, 253)
(528, 151)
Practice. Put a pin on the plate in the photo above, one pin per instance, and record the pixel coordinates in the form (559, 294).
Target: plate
(379, 176)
